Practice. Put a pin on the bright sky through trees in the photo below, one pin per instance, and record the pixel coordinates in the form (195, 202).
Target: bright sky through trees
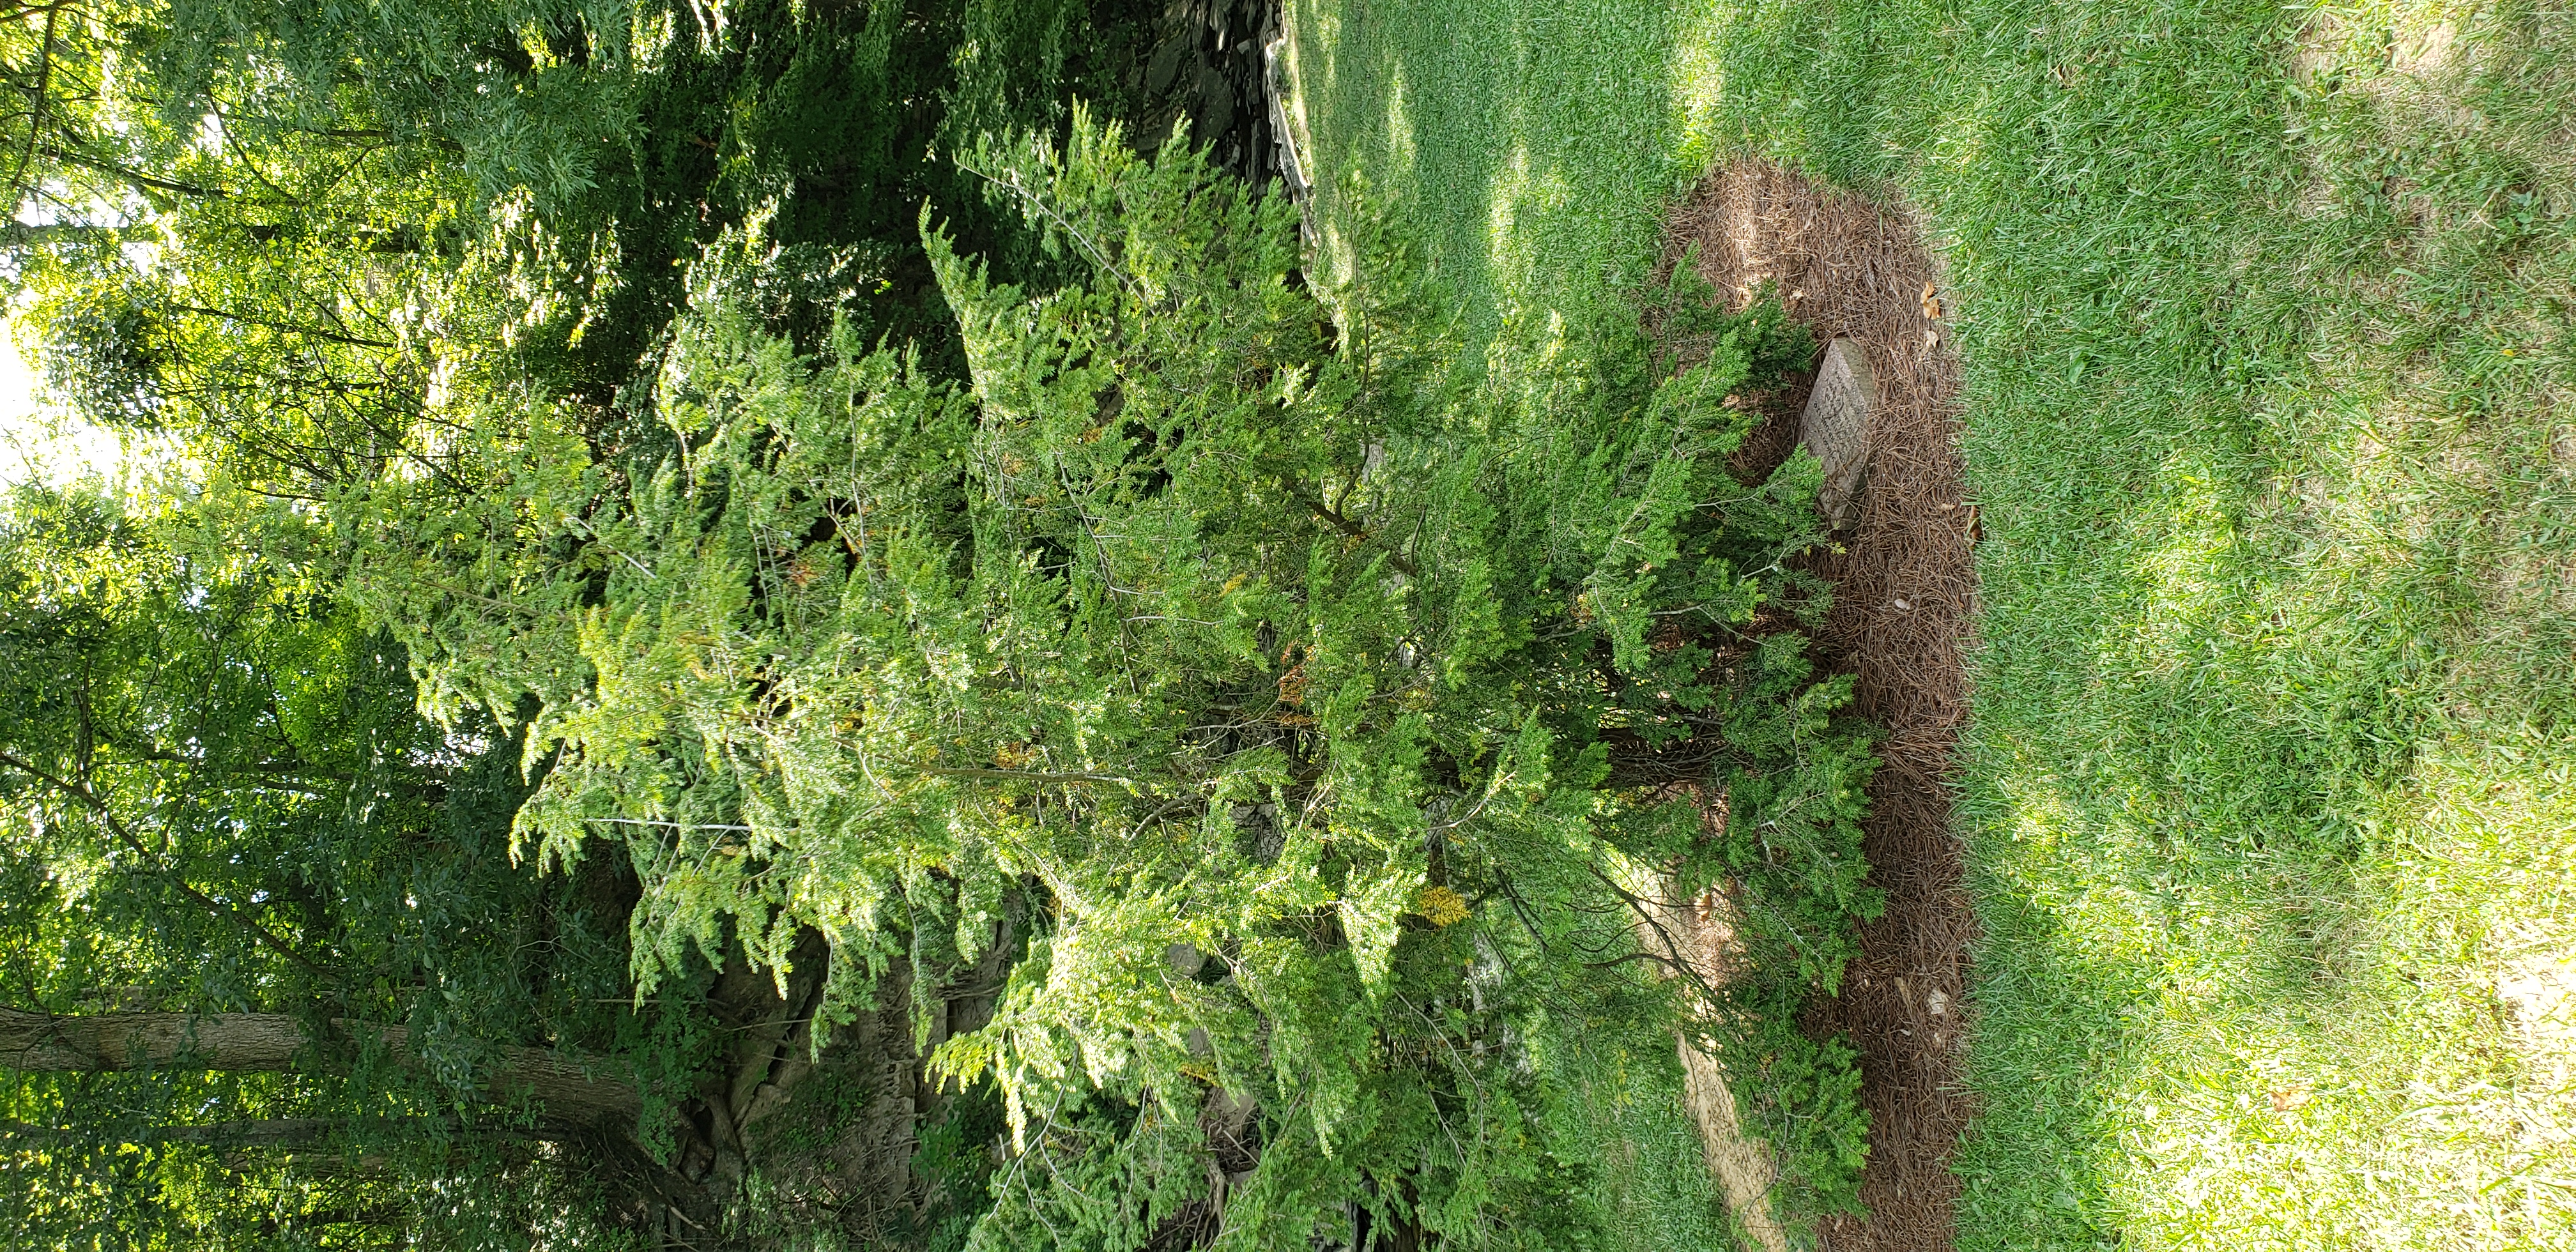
(39, 442)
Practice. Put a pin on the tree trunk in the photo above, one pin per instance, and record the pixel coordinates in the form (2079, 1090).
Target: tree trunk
(566, 1085)
(283, 1132)
(288, 1132)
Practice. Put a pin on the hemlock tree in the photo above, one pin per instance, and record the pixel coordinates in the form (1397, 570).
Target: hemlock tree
(1320, 710)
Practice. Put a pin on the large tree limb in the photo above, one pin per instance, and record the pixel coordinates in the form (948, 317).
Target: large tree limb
(566, 1085)
(31, 234)
(279, 1132)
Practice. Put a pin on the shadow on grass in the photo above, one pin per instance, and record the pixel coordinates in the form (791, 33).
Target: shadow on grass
(2265, 324)
(2263, 482)
(1529, 149)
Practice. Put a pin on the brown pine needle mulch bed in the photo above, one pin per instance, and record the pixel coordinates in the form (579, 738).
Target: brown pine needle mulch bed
(1903, 588)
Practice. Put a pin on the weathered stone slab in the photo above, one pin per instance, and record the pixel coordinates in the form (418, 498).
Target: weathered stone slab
(1836, 428)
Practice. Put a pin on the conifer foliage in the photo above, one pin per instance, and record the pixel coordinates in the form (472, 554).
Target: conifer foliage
(1305, 709)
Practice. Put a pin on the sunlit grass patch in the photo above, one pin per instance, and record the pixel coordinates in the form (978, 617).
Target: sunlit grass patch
(2265, 320)
(1529, 148)
(2264, 436)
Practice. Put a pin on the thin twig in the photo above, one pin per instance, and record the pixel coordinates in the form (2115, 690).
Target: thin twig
(1352, 529)
(1013, 184)
(218, 908)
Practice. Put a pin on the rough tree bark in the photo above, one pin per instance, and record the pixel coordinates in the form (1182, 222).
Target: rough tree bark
(566, 1085)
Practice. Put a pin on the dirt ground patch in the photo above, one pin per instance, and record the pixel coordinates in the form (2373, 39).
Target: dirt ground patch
(1903, 593)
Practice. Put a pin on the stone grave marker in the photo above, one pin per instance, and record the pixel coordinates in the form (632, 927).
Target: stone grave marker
(1835, 428)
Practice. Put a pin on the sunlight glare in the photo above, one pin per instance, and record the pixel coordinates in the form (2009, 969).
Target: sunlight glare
(39, 441)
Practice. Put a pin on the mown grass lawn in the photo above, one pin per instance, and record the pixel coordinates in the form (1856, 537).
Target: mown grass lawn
(2270, 785)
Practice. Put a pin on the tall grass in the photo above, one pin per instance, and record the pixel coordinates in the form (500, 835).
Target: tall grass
(2270, 785)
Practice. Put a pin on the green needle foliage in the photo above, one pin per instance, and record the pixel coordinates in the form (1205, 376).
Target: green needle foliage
(1314, 710)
